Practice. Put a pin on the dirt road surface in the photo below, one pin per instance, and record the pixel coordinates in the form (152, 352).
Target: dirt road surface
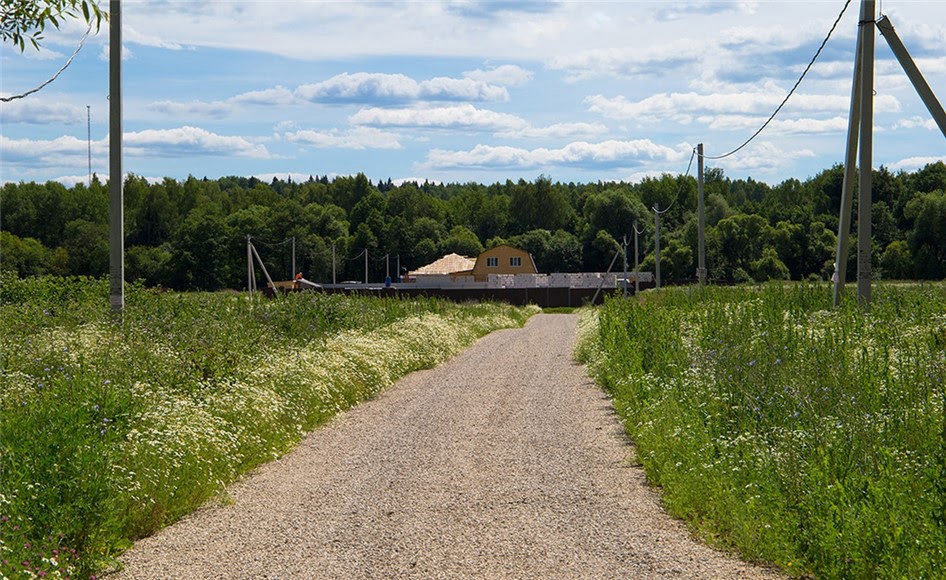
(505, 462)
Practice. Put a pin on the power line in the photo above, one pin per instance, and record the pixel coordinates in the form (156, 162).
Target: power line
(679, 189)
(791, 92)
(55, 76)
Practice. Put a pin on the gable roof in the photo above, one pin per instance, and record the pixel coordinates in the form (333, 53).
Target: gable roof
(449, 264)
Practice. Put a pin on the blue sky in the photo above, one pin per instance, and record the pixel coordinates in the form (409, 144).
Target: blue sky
(458, 91)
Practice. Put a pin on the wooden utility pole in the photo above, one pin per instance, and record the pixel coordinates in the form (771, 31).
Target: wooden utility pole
(116, 217)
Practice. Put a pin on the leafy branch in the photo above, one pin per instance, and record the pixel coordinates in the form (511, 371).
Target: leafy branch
(26, 20)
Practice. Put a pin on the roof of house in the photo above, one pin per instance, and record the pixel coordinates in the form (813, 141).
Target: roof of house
(449, 264)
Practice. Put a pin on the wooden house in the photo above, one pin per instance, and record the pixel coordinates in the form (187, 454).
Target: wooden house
(502, 259)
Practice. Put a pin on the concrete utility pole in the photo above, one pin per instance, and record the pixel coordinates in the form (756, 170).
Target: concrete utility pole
(262, 266)
(909, 67)
(866, 154)
(850, 173)
(624, 246)
(701, 260)
(657, 244)
(860, 130)
(116, 218)
(88, 119)
(637, 277)
(657, 213)
(860, 133)
(249, 266)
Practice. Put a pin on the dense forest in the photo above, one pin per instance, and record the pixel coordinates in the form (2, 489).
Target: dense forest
(191, 234)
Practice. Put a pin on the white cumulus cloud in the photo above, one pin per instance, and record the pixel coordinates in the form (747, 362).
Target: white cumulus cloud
(580, 153)
(39, 112)
(507, 75)
(377, 87)
(189, 141)
(357, 138)
(457, 117)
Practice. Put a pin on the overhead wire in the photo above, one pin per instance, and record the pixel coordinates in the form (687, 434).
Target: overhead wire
(791, 92)
(55, 76)
(269, 243)
(680, 190)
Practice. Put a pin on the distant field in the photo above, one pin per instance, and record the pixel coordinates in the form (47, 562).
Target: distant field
(113, 427)
(797, 433)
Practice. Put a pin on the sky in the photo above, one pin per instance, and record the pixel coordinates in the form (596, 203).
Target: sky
(468, 91)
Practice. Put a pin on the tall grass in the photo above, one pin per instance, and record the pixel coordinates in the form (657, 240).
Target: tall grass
(112, 427)
(803, 435)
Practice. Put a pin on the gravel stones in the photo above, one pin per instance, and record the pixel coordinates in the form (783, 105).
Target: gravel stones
(505, 461)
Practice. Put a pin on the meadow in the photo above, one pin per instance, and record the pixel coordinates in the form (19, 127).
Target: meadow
(113, 426)
(785, 429)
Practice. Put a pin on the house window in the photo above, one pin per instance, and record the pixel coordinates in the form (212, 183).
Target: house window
(515, 262)
(492, 262)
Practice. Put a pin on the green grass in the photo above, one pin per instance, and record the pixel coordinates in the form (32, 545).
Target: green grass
(798, 434)
(111, 427)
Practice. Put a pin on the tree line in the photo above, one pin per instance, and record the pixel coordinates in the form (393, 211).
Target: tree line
(191, 234)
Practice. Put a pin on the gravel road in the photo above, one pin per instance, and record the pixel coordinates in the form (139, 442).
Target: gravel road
(506, 461)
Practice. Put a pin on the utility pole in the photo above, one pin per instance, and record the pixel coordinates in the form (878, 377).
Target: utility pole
(637, 276)
(860, 132)
(366, 265)
(249, 266)
(262, 266)
(624, 245)
(657, 213)
(701, 261)
(866, 155)
(657, 244)
(850, 173)
(116, 218)
(88, 119)
(292, 274)
(916, 77)
(333, 263)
